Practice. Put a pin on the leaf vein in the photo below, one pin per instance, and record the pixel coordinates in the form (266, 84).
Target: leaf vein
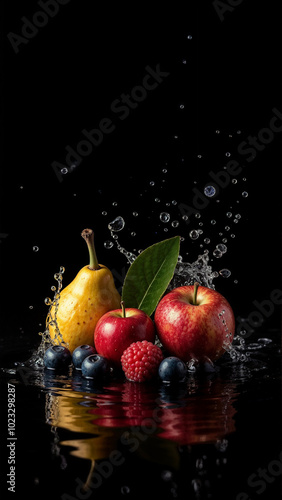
(151, 284)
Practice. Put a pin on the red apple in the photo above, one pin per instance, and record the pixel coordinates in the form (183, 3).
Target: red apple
(194, 322)
(117, 329)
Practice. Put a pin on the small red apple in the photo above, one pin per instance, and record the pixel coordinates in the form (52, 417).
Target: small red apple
(117, 329)
(194, 322)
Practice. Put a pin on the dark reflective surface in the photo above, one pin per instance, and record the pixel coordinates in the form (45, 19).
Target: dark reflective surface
(214, 436)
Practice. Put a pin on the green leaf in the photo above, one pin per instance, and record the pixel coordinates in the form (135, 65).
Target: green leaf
(149, 275)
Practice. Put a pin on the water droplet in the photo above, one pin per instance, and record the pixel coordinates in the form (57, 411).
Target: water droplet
(238, 216)
(64, 171)
(184, 61)
(175, 223)
(199, 463)
(213, 222)
(157, 200)
(166, 475)
(191, 365)
(135, 214)
(234, 181)
(35, 248)
(185, 217)
(209, 191)
(238, 132)
(221, 445)
(221, 247)
(225, 273)
(164, 170)
(229, 214)
(117, 224)
(227, 228)
(194, 234)
(217, 253)
(104, 213)
(245, 194)
(228, 154)
(265, 341)
(152, 183)
(125, 490)
(217, 131)
(164, 217)
(232, 235)
(108, 244)
(133, 233)
(189, 37)
(48, 301)
(30, 307)
(181, 106)
(207, 241)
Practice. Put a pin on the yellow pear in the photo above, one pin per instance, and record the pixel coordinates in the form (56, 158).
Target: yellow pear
(81, 304)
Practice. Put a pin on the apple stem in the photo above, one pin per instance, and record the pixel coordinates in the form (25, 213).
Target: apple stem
(196, 286)
(123, 309)
(88, 236)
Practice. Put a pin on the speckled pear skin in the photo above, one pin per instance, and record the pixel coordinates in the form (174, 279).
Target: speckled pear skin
(91, 294)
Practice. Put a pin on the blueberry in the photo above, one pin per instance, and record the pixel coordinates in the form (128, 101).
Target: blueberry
(96, 367)
(80, 353)
(172, 370)
(57, 357)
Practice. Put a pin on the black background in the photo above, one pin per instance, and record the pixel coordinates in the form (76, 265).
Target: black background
(66, 78)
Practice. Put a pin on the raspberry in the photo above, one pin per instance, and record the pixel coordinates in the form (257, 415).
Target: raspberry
(141, 360)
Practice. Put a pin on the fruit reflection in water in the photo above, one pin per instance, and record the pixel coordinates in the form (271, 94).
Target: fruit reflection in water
(163, 418)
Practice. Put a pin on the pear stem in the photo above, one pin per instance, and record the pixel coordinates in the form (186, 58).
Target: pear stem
(123, 309)
(196, 286)
(88, 235)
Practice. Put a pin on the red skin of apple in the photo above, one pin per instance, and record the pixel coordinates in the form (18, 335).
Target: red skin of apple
(114, 333)
(194, 331)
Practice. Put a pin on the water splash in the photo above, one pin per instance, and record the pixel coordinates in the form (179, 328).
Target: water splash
(36, 360)
(187, 273)
(200, 270)
(117, 224)
(229, 344)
